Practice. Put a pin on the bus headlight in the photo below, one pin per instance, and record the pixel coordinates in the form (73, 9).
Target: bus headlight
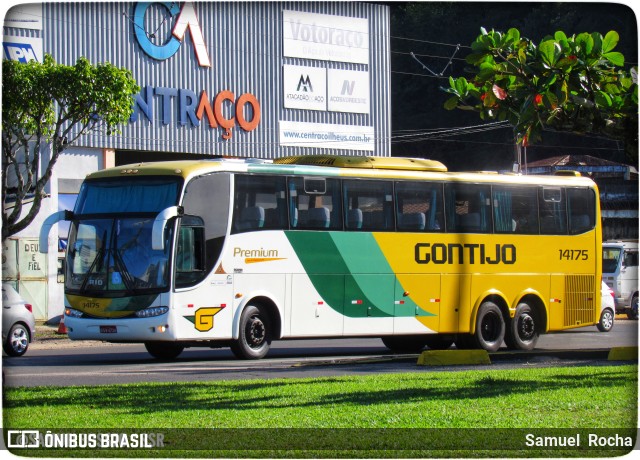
(151, 312)
(73, 313)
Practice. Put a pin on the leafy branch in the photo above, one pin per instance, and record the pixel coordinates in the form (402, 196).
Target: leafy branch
(47, 107)
(575, 84)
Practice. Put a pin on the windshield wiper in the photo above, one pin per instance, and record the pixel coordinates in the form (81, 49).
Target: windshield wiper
(129, 282)
(99, 253)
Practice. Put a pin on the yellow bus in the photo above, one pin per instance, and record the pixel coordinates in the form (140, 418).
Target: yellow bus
(243, 252)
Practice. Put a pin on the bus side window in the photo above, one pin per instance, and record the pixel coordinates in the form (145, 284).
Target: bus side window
(468, 208)
(419, 206)
(259, 203)
(515, 210)
(315, 204)
(553, 215)
(581, 209)
(368, 205)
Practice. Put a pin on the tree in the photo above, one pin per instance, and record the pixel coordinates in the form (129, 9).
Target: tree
(573, 84)
(46, 107)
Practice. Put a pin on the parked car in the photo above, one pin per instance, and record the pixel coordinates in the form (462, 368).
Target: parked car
(18, 323)
(607, 309)
(620, 272)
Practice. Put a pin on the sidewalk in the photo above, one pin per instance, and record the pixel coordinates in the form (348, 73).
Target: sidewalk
(47, 337)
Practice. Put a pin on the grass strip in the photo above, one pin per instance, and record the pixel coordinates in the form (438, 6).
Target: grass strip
(384, 415)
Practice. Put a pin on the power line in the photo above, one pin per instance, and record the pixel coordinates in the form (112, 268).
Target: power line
(417, 74)
(417, 40)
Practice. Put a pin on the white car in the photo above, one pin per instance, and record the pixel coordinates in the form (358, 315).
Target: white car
(620, 272)
(18, 323)
(607, 310)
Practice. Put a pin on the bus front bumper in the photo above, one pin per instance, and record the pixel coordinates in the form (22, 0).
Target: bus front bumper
(120, 330)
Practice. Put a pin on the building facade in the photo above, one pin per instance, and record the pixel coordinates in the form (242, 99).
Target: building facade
(239, 79)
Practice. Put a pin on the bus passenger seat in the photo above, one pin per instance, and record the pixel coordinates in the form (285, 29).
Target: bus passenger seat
(319, 217)
(354, 219)
(412, 221)
(251, 218)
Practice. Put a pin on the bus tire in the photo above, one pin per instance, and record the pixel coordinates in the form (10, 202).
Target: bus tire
(439, 341)
(632, 313)
(404, 343)
(164, 350)
(255, 334)
(490, 327)
(524, 329)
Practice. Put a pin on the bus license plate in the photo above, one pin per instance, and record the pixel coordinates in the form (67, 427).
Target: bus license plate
(108, 329)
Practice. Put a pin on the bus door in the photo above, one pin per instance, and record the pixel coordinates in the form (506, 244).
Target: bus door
(455, 303)
(314, 314)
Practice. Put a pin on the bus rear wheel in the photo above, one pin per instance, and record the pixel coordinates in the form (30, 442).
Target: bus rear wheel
(490, 327)
(164, 350)
(255, 334)
(523, 331)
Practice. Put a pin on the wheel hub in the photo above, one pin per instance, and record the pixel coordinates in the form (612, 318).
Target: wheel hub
(526, 327)
(19, 341)
(257, 332)
(490, 327)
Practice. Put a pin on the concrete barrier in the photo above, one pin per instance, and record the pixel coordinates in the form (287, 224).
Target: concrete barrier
(453, 357)
(623, 354)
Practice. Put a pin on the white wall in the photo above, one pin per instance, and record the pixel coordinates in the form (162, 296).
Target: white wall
(75, 163)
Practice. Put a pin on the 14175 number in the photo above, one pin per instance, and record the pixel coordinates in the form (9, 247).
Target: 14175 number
(574, 254)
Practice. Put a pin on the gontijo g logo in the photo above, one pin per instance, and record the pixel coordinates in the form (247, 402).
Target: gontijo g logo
(187, 19)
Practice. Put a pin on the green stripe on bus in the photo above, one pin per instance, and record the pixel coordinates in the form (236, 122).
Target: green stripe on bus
(370, 286)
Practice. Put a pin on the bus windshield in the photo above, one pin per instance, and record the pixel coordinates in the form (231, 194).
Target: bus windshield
(610, 259)
(138, 194)
(115, 255)
(109, 250)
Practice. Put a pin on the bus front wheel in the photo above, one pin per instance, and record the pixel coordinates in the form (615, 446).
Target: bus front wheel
(255, 334)
(164, 350)
(523, 330)
(490, 327)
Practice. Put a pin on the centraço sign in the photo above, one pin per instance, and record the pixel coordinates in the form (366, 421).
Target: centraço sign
(222, 110)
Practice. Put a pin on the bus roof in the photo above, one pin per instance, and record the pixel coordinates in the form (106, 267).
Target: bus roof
(335, 166)
(365, 162)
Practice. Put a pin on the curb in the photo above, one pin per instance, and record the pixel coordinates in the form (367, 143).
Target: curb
(453, 357)
(623, 354)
